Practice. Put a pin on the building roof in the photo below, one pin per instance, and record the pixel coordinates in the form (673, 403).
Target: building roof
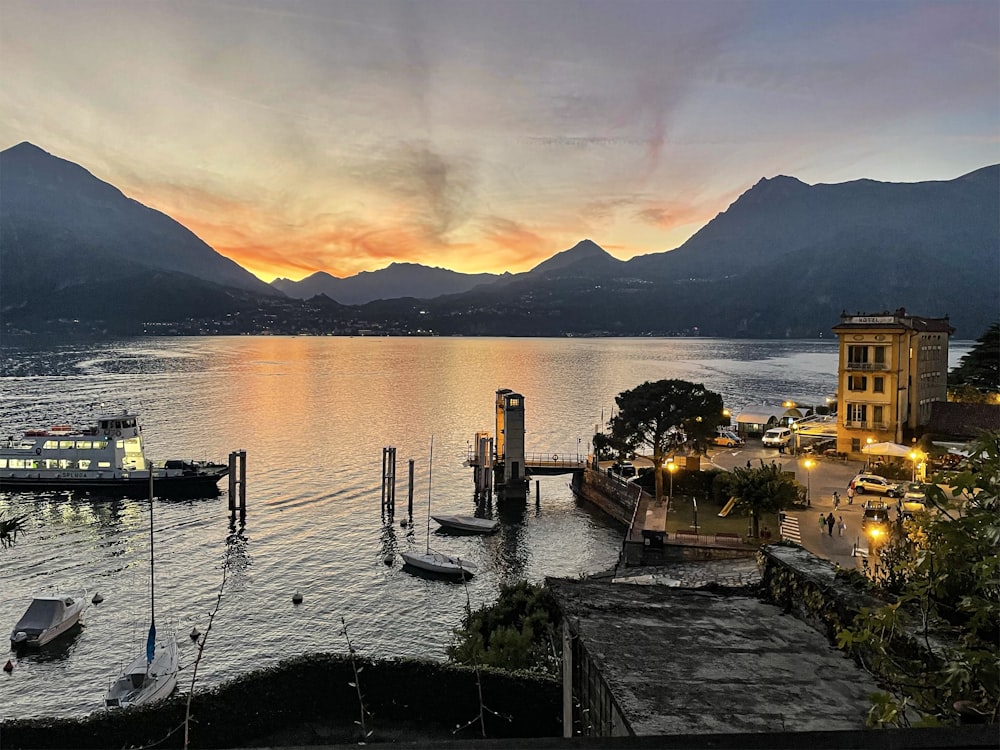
(696, 661)
(898, 319)
(962, 420)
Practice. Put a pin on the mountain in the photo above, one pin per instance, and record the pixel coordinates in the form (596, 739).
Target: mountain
(396, 280)
(65, 234)
(784, 260)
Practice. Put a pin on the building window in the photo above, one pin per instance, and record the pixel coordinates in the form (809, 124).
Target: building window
(857, 412)
(855, 445)
(877, 414)
(878, 384)
(857, 355)
(879, 356)
(857, 383)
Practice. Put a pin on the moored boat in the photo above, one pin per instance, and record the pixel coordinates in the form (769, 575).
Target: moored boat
(468, 524)
(46, 618)
(439, 563)
(107, 457)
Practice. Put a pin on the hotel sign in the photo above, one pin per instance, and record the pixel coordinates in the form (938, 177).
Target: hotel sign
(873, 319)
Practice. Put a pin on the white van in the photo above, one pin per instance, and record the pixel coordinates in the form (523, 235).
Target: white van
(777, 437)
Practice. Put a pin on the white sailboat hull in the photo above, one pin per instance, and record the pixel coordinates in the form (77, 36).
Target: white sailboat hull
(441, 564)
(139, 683)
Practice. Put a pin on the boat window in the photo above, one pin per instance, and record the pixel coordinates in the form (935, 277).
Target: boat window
(50, 444)
(16, 463)
(103, 464)
(85, 463)
(3, 463)
(65, 463)
(65, 444)
(137, 679)
(84, 445)
(100, 445)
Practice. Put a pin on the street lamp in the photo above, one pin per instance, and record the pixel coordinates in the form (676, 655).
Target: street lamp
(809, 463)
(694, 502)
(671, 467)
(913, 458)
(795, 432)
(869, 442)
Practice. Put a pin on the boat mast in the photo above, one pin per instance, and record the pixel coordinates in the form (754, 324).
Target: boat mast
(430, 476)
(152, 578)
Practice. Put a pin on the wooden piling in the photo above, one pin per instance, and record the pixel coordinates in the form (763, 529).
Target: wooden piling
(388, 482)
(238, 482)
(409, 499)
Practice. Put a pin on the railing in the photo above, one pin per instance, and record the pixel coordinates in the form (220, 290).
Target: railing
(868, 366)
(866, 425)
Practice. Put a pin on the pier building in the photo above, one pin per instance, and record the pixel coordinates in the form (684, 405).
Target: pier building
(892, 368)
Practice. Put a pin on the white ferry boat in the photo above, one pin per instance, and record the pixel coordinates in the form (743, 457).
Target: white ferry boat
(106, 458)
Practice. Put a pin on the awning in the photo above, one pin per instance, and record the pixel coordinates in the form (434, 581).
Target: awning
(886, 449)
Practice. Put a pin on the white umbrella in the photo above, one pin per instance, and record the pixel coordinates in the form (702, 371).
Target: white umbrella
(886, 449)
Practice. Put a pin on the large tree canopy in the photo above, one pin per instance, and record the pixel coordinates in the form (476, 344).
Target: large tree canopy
(656, 415)
(762, 489)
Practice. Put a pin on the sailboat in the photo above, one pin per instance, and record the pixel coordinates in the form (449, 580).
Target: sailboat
(436, 562)
(152, 675)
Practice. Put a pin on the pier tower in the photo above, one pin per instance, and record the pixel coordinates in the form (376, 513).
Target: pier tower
(510, 440)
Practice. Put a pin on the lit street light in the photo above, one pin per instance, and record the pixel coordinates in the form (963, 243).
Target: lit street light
(694, 502)
(913, 457)
(809, 463)
(869, 442)
(671, 467)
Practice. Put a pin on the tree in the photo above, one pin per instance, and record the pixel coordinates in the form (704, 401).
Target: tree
(761, 489)
(658, 414)
(979, 369)
(936, 645)
(517, 632)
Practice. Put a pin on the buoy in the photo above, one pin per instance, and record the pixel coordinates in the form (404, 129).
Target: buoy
(97, 598)
(403, 523)
(296, 598)
(387, 559)
(195, 633)
(8, 667)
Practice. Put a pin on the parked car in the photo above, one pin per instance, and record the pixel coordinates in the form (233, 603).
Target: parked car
(728, 439)
(863, 483)
(623, 470)
(777, 436)
(876, 513)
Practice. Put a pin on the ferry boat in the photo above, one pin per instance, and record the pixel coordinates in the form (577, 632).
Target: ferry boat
(108, 457)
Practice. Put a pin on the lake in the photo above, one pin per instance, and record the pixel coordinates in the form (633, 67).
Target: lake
(313, 415)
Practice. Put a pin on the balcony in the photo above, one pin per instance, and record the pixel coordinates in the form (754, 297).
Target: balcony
(868, 425)
(868, 366)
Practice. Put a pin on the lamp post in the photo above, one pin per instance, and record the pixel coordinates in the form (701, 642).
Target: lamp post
(869, 442)
(913, 459)
(578, 450)
(694, 502)
(809, 464)
(671, 467)
(795, 432)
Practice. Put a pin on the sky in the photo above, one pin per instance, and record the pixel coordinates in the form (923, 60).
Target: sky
(344, 135)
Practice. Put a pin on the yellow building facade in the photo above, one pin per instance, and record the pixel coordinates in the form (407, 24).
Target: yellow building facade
(892, 367)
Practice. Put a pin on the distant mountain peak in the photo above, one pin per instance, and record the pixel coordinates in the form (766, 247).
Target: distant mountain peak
(584, 250)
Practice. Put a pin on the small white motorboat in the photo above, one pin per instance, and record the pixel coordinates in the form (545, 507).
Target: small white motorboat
(439, 563)
(469, 524)
(47, 617)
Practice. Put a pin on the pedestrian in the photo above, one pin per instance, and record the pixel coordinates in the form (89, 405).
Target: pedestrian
(842, 526)
(836, 500)
(850, 495)
(830, 523)
(748, 463)
(822, 521)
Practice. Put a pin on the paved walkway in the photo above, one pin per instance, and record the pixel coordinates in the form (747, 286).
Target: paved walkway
(825, 477)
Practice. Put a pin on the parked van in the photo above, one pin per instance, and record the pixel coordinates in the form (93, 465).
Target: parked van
(728, 439)
(777, 437)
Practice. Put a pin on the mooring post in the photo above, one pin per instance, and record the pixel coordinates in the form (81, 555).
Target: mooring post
(409, 499)
(392, 485)
(243, 483)
(232, 482)
(538, 493)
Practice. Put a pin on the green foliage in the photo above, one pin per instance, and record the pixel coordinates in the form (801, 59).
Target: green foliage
(9, 528)
(657, 415)
(761, 489)
(937, 643)
(518, 632)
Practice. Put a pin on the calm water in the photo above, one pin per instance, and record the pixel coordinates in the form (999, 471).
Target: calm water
(313, 415)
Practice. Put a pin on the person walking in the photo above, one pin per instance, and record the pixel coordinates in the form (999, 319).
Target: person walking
(836, 500)
(850, 495)
(841, 526)
(822, 521)
(830, 523)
